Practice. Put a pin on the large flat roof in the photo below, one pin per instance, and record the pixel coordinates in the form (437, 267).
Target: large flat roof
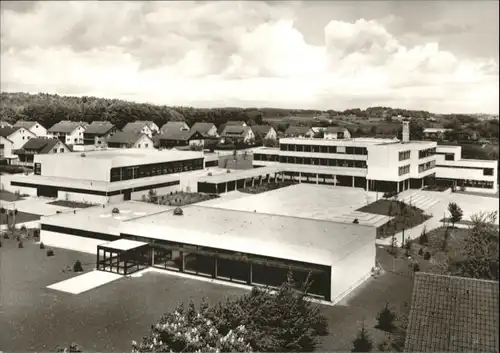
(355, 142)
(120, 157)
(254, 233)
(101, 219)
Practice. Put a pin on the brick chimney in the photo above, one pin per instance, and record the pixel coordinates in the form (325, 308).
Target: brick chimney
(406, 132)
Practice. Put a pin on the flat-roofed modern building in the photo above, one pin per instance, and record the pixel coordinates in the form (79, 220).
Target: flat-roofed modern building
(471, 174)
(236, 246)
(105, 176)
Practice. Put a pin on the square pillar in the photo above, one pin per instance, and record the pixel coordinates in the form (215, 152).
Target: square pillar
(367, 185)
(183, 263)
(422, 183)
(260, 179)
(250, 274)
(300, 177)
(398, 186)
(225, 186)
(317, 178)
(353, 181)
(97, 258)
(153, 255)
(214, 273)
(253, 181)
(244, 183)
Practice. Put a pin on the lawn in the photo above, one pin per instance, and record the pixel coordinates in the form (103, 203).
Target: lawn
(70, 204)
(405, 216)
(20, 217)
(257, 189)
(179, 198)
(9, 196)
(108, 318)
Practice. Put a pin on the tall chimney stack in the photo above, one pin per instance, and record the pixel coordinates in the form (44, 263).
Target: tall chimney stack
(406, 132)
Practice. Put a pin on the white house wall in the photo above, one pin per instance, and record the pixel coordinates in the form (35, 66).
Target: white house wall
(20, 137)
(71, 167)
(38, 130)
(143, 141)
(76, 136)
(7, 147)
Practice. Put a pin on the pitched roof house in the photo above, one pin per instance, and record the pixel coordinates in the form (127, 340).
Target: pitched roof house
(264, 132)
(298, 131)
(206, 129)
(98, 132)
(236, 123)
(138, 127)
(174, 138)
(70, 132)
(453, 314)
(40, 145)
(152, 126)
(174, 125)
(33, 126)
(4, 123)
(123, 139)
(13, 138)
(237, 133)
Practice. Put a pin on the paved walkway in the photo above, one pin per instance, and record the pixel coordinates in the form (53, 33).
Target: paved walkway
(85, 282)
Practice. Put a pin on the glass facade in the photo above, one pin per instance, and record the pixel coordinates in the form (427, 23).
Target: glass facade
(404, 155)
(149, 170)
(427, 152)
(324, 149)
(327, 162)
(404, 169)
(426, 166)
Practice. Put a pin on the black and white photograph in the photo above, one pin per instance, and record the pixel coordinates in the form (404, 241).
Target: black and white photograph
(249, 176)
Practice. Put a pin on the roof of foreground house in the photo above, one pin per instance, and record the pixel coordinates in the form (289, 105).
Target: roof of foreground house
(41, 145)
(235, 130)
(66, 126)
(178, 135)
(202, 128)
(453, 314)
(125, 137)
(135, 126)
(173, 125)
(99, 128)
(261, 130)
(25, 124)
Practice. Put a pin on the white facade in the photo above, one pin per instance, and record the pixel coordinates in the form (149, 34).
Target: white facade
(6, 148)
(74, 137)
(144, 141)
(20, 137)
(38, 130)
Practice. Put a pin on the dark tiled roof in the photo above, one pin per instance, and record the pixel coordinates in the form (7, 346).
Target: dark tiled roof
(233, 130)
(261, 130)
(125, 137)
(99, 128)
(41, 145)
(202, 128)
(177, 135)
(453, 314)
(66, 126)
(7, 131)
(297, 130)
(25, 124)
(235, 123)
(134, 127)
(334, 129)
(173, 125)
(221, 128)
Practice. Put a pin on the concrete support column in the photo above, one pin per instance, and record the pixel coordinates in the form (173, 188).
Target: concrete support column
(422, 183)
(398, 186)
(214, 274)
(367, 185)
(244, 183)
(253, 181)
(225, 186)
(152, 256)
(260, 180)
(352, 181)
(300, 177)
(282, 176)
(216, 188)
(183, 264)
(250, 274)
(317, 178)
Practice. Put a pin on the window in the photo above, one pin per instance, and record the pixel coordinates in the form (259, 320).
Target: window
(332, 149)
(341, 149)
(146, 145)
(449, 157)
(404, 155)
(61, 150)
(488, 171)
(404, 170)
(139, 146)
(427, 152)
(307, 148)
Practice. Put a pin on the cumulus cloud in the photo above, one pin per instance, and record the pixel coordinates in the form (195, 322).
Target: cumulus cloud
(232, 53)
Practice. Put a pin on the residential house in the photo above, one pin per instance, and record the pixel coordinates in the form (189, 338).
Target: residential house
(299, 131)
(139, 128)
(5, 147)
(155, 129)
(336, 133)
(4, 123)
(32, 126)
(265, 132)
(39, 145)
(236, 123)
(236, 133)
(435, 133)
(453, 314)
(123, 139)
(98, 133)
(174, 126)
(176, 138)
(69, 132)
(13, 138)
(206, 129)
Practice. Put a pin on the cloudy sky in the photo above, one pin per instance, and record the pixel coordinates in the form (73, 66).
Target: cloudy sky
(439, 56)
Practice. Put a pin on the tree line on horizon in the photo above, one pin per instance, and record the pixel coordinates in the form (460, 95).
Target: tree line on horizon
(49, 109)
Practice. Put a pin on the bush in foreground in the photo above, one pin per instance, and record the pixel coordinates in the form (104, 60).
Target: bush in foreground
(259, 321)
(427, 255)
(362, 343)
(50, 252)
(386, 319)
(20, 245)
(42, 246)
(77, 267)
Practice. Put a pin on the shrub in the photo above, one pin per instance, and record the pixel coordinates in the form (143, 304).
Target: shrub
(386, 319)
(362, 343)
(18, 238)
(20, 245)
(5, 236)
(23, 228)
(77, 267)
(355, 221)
(427, 255)
(416, 267)
(0, 243)
(50, 252)
(421, 251)
(42, 246)
(36, 233)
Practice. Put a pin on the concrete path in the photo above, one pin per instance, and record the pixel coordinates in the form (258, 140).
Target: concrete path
(85, 282)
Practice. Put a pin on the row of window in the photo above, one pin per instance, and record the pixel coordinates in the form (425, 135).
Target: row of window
(427, 152)
(148, 170)
(447, 156)
(426, 166)
(405, 169)
(323, 149)
(266, 157)
(346, 163)
(475, 183)
(404, 155)
(486, 171)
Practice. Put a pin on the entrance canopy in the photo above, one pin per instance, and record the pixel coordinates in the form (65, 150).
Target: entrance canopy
(123, 256)
(122, 245)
